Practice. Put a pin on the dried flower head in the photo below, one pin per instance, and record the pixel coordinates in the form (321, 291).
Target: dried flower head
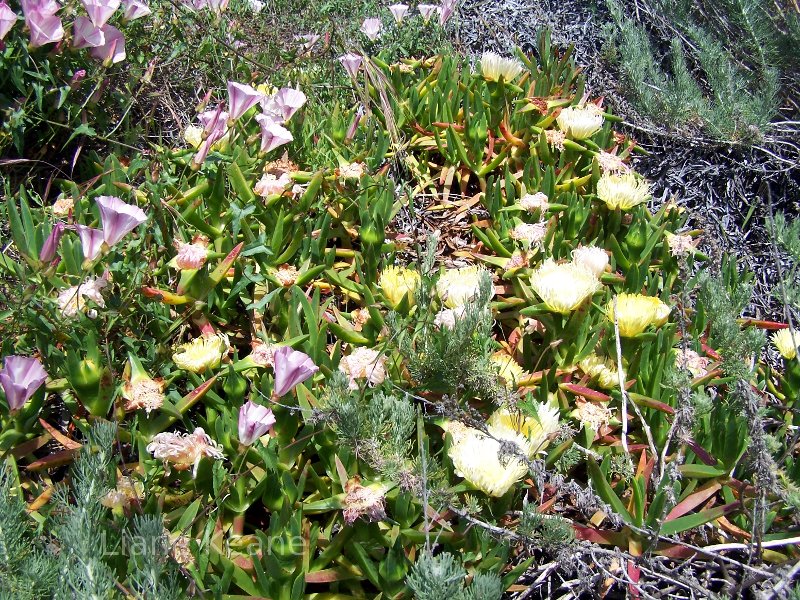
(143, 392)
(352, 170)
(563, 287)
(680, 245)
(363, 502)
(592, 415)
(286, 274)
(262, 355)
(636, 312)
(534, 202)
(593, 258)
(63, 206)
(271, 184)
(184, 450)
(580, 122)
(181, 550)
(399, 283)
(611, 163)
(202, 353)
(456, 287)
(364, 363)
(193, 255)
(787, 342)
(555, 138)
(623, 191)
(494, 67)
(694, 363)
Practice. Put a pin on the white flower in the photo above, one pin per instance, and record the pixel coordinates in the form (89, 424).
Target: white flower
(364, 363)
(580, 122)
(534, 202)
(623, 191)
(456, 287)
(71, 300)
(352, 170)
(593, 258)
(563, 287)
(494, 66)
(447, 317)
(531, 233)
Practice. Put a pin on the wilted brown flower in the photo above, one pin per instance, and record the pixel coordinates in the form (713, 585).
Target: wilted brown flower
(366, 502)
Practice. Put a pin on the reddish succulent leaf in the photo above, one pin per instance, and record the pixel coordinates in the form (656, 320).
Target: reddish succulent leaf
(164, 296)
(694, 500)
(329, 576)
(586, 392)
(702, 453)
(60, 437)
(57, 459)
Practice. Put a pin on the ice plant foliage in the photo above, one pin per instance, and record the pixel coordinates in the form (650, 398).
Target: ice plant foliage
(20, 378)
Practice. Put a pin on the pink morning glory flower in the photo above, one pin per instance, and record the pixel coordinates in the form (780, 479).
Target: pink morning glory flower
(254, 421)
(20, 377)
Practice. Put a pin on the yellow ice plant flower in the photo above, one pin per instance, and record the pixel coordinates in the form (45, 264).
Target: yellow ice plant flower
(563, 287)
(509, 370)
(580, 122)
(398, 283)
(193, 135)
(787, 343)
(532, 433)
(494, 66)
(202, 353)
(476, 458)
(622, 191)
(456, 287)
(636, 312)
(601, 369)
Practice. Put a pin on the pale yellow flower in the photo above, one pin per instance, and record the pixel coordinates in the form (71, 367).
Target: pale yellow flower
(593, 258)
(509, 370)
(202, 353)
(622, 191)
(494, 66)
(193, 135)
(398, 283)
(636, 312)
(532, 434)
(563, 287)
(476, 458)
(580, 122)
(601, 369)
(787, 343)
(456, 287)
